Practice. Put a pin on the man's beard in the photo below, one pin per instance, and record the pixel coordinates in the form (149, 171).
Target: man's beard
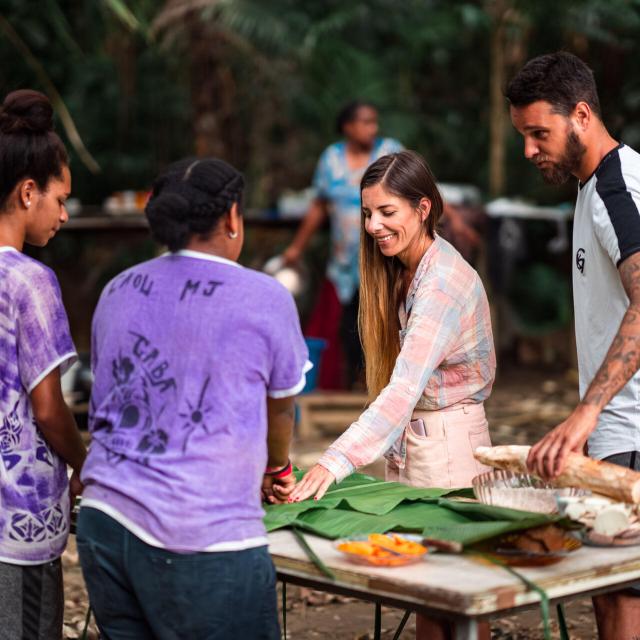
(559, 172)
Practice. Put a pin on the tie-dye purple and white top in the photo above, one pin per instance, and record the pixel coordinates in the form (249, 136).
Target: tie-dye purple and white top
(34, 340)
(185, 350)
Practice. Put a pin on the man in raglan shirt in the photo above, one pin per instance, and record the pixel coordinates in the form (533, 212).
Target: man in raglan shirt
(554, 105)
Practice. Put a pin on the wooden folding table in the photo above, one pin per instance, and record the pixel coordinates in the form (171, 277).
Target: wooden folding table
(455, 587)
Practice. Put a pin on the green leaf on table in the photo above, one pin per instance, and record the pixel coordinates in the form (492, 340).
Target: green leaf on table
(361, 505)
(340, 523)
(479, 511)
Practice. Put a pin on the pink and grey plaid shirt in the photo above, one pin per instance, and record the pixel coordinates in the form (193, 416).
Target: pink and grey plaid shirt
(446, 357)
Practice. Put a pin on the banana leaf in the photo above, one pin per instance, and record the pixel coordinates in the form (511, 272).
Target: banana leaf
(362, 504)
(409, 517)
(479, 511)
(357, 493)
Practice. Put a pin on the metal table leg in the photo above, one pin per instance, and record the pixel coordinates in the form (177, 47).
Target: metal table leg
(377, 624)
(403, 622)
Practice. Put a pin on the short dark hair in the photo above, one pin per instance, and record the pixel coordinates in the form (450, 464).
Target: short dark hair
(349, 113)
(560, 79)
(190, 197)
(407, 175)
(29, 147)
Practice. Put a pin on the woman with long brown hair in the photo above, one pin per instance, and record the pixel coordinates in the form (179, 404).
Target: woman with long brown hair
(426, 332)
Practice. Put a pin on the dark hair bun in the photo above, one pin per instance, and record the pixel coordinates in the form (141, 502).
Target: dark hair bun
(26, 111)
(168, 215)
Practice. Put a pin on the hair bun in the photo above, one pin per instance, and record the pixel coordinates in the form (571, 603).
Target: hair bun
(26, 111)
(168, 215)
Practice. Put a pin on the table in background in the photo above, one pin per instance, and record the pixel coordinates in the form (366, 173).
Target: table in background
(93, 247)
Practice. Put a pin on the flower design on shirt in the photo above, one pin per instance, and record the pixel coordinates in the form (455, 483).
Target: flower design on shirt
(27, 528)
(130, 401)
(10, 430)
(196, 416)
(43, 453)
(154, 442)
(55, 521)
(134, 406)
(122, 368)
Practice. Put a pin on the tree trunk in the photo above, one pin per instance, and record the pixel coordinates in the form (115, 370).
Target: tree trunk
(497, 109)
(212, 91)
(508, 47)
(120, 45)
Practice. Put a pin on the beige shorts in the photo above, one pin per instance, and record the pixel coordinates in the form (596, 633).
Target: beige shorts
(444, 456)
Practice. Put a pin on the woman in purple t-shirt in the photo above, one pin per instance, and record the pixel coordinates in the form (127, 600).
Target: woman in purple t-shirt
(196, 361)
(38, 434)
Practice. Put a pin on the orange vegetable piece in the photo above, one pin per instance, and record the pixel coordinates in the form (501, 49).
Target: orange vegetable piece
(363, 549)
(397, 543)
(383, 550)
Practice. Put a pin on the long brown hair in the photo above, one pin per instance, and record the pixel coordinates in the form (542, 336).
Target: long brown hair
(405, 175)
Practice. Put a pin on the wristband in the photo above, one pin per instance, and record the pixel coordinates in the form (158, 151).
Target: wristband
(279, 473)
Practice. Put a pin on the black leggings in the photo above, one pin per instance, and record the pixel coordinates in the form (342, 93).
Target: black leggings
(631, 460)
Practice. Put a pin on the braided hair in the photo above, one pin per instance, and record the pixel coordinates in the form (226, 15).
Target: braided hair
(29, 147)
(190, 198)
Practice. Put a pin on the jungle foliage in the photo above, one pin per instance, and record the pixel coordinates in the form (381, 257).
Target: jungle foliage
(259, 82)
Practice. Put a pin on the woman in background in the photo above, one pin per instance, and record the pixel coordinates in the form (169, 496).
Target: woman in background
(38, 434)
(196, 361)
(337, 184)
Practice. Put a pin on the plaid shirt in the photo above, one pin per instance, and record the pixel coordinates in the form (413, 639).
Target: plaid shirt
(446, 357)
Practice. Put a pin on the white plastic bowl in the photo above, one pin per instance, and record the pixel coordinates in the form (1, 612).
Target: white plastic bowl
(501, 488)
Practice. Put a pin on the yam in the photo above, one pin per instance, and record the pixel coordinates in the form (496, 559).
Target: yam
(608, 479)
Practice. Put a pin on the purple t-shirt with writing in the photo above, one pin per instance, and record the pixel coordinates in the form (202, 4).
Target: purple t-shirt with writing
(34, 340)
(185, 350)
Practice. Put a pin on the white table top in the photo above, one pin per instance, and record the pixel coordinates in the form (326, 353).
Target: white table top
(458, 584)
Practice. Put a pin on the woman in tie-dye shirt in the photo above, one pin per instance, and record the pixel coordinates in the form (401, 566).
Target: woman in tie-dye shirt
(38, 435)
(426, 333)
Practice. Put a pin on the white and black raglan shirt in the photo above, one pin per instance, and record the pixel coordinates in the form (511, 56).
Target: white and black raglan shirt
(606, 232)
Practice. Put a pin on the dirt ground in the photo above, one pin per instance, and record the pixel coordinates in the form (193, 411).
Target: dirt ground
(521, 408)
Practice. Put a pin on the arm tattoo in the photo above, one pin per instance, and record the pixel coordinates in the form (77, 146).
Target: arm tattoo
(623, 358)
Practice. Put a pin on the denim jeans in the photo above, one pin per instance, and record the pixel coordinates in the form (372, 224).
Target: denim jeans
(140, 592)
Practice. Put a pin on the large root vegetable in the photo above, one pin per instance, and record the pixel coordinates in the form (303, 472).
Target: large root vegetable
(604, 478)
